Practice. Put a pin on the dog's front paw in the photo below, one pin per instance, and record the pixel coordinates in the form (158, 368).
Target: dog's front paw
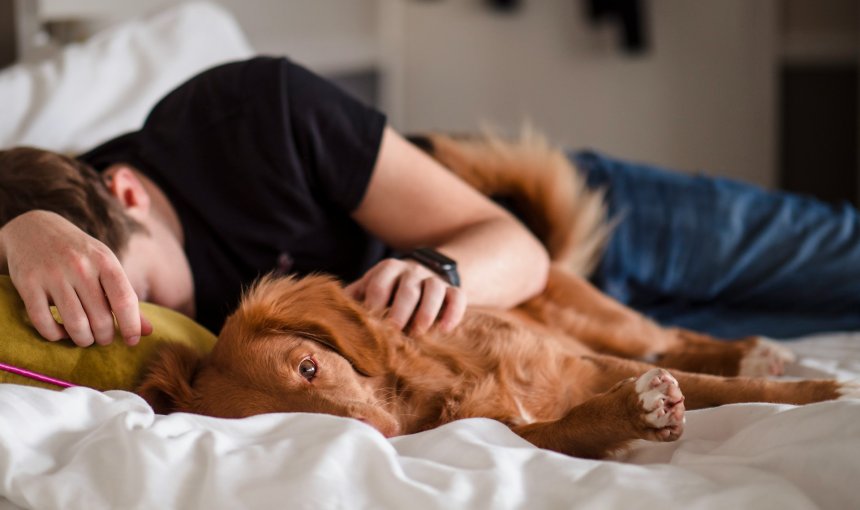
(662, 404)
(765, 358)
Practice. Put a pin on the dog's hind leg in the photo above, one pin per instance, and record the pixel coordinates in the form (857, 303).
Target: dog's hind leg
(704, 390)
(751, 357)
(572, 305)
(648, 407)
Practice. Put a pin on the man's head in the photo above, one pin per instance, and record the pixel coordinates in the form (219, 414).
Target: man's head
(119, 207)
(37, 179)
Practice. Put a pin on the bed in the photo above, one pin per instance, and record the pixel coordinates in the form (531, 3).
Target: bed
(80, 448)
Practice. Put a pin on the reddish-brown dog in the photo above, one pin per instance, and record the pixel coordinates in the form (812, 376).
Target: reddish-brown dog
(563, 370)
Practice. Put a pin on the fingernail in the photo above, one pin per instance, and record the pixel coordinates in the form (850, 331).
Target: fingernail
(133, 340)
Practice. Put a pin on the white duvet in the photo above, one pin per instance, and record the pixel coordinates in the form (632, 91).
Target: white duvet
(80, 449)
(83, 449)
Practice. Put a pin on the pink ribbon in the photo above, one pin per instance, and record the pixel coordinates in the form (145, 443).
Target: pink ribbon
(36, 376)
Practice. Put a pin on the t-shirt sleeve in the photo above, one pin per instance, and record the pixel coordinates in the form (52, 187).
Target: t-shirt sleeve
(336, 137)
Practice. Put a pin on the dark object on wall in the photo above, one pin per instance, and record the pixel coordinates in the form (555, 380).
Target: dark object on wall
(628, 14)
(504, 5)
(819, 131)
(8, 34)
(18, 27)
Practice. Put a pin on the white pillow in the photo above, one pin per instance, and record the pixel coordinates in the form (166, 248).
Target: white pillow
(105, 86)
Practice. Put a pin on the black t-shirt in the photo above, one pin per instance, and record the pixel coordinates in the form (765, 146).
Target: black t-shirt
(263, 161)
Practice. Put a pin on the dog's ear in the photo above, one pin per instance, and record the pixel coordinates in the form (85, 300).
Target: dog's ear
(316, 308)
(351, 333)
(166, 386)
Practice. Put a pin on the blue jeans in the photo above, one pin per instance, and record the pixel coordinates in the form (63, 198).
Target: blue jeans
(724, 257)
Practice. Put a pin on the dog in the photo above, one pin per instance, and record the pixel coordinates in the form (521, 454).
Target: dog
(564, 370)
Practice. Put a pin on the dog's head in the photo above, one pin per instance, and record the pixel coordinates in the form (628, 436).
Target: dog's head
(293, 345)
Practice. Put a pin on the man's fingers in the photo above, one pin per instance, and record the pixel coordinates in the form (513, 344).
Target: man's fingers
(355, 290)
(72, 312)
(39, 311)
(413, 296)
(145, 326)
(380, 284)
(98, 313)
(124, 304)
(455, 309)
(406, 299)
(432, 299)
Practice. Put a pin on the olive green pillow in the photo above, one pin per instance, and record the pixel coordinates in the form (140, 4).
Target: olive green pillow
(114, 366)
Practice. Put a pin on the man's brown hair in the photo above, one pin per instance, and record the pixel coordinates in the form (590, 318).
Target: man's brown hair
(33, 179)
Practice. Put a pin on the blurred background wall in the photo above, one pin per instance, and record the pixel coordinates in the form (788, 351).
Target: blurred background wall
(760, 90)
(700, 95)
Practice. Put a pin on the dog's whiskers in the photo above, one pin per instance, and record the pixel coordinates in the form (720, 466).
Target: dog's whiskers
(384, 399)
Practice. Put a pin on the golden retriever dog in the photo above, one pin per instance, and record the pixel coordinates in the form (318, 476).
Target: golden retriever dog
(565, 370)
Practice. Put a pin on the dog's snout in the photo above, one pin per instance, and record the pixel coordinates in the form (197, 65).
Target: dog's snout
(381, 421)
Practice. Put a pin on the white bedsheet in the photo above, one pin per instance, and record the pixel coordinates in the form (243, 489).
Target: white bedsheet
(83, 449)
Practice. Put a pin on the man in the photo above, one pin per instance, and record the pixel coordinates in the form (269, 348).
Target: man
(247, 168)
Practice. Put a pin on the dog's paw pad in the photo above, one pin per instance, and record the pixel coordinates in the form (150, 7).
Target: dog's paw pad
(766, 358)
(663, 404)
(849, 390)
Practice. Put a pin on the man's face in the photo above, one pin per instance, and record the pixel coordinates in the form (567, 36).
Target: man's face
(158, 269)
(154, 259)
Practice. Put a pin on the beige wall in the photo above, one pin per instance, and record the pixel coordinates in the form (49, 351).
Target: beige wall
(702, 98)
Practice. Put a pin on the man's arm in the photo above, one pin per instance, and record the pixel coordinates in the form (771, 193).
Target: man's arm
(413, 201)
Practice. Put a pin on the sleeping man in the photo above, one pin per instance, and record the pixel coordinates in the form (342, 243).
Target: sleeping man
(248, 168)
(261, 166)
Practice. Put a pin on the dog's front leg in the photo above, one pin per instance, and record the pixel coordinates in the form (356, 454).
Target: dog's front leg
(648, 407)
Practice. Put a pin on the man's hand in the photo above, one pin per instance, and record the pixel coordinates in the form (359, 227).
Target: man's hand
(416, 295)
(51, 261)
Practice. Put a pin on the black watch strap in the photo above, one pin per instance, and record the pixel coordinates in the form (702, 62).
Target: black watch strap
(436, 262)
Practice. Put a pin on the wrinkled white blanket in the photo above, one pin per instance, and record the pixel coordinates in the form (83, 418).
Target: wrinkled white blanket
(83, 449)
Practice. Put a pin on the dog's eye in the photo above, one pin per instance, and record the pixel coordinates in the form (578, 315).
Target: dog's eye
(308, 368)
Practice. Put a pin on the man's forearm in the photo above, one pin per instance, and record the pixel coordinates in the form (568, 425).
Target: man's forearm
(500, 263)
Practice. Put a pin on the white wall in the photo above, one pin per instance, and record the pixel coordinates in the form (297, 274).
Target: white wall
(702, 98)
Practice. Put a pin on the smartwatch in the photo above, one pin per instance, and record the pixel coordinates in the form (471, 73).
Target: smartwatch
(436, 262)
